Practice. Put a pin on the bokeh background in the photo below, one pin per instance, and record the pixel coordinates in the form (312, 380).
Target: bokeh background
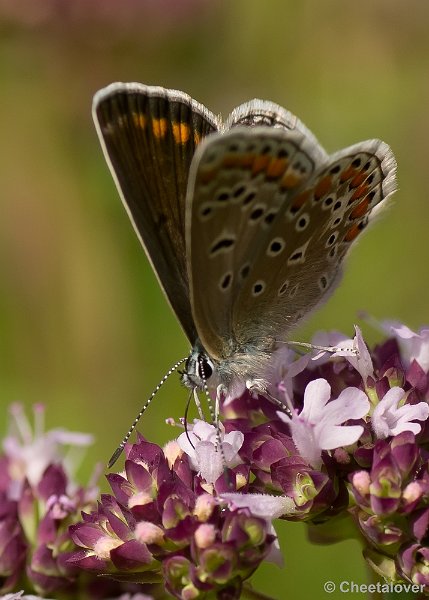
(84, 326)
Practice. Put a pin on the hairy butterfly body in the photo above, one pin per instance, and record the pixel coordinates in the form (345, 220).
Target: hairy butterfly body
(246, 222)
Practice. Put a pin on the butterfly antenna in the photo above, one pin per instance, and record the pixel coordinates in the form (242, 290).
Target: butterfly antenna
(330, 349)
(185, 420)
(121, 446)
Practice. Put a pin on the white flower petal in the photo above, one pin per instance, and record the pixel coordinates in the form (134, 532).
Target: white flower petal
(210, 461)
(204, 454)
(362, 362)
(412, 412)
(390, 419)
(414, 346)
(338, 436)
(284, 417)
(261, 505)
(316, 396)
(74, 438)
(235, 439)
(275, 555)
(187, 442)
(352, 403)
(401, 330)
(203, 430)
(405, 426)
(305, 441)
(319, 425)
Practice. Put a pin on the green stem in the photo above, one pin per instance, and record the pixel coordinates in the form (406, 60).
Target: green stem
(373, 577)
(249, 592)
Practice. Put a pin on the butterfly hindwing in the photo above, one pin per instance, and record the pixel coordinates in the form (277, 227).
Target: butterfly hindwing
(313, 231)
(239, 180)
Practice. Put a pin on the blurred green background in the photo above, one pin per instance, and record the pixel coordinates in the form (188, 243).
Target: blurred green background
(84, 326)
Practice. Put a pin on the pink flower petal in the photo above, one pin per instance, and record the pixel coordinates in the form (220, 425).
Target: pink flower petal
(339, 435)
(352, 403)
(316, 396)
(362, 362)
(261, 505)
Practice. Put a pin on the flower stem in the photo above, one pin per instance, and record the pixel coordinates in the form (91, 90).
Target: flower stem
(249, 592)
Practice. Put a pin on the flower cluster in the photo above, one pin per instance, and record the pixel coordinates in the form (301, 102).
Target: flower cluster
(39, 500)
(342, 434)
(161, 524)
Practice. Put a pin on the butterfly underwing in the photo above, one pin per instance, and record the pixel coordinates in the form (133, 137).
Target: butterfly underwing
(246, 221)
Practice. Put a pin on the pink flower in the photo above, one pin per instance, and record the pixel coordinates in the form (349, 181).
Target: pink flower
(266, 507)
(362, 361)
(391, 418)
(32, 449)
(414, 346)
(318, 426)
(200, 443)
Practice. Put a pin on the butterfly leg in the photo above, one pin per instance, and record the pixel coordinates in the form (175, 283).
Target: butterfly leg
(198, 404)
(259, 386)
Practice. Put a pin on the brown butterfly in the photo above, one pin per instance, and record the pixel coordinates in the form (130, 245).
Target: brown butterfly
(246, 222)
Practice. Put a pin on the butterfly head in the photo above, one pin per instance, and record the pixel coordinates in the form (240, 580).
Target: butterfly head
(199, 369)
(240, 368)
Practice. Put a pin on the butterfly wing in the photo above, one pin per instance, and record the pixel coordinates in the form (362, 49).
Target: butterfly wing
(256, 113)
(313, 231)
(149, 136)
(239, 181)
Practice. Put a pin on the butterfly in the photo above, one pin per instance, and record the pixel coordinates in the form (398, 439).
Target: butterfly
(246, 222)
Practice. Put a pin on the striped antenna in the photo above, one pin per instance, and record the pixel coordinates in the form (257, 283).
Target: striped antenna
(331, 349)
(118, 451)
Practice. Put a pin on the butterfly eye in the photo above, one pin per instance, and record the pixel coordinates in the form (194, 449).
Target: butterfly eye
(205, 368)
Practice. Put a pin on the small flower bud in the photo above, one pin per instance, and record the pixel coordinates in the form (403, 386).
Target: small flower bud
(205, 535)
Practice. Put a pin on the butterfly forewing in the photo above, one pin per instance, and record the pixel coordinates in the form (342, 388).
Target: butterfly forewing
(310, 237)
(149, 135)
(239, 181)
